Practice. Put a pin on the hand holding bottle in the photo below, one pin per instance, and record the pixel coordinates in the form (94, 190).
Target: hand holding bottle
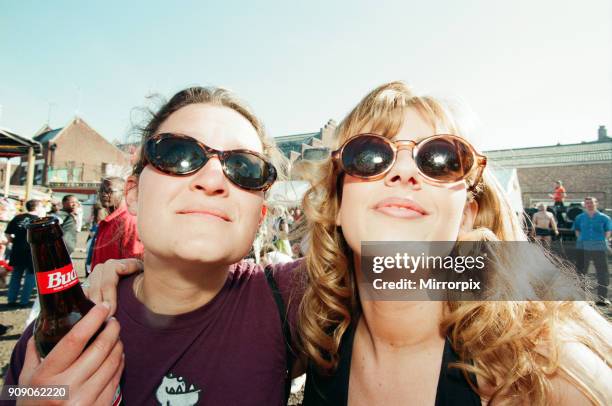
(92, 372)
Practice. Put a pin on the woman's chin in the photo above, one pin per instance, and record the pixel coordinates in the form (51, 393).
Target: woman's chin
(198, 252)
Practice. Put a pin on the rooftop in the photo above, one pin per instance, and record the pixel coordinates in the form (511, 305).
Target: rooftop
(553, 155)
(12, 145)
(47, 136)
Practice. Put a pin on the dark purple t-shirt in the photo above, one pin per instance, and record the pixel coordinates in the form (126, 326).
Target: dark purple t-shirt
(230, 351)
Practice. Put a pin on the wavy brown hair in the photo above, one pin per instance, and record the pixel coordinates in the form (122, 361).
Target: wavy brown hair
(512, 346)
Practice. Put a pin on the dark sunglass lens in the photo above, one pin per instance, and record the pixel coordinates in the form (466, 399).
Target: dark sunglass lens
(366, 156)
(176, 156)
(445, 159)
(247, 170)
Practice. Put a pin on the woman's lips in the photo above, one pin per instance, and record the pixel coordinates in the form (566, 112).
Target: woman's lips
(400, 212)
(400, 208)
(206, 214)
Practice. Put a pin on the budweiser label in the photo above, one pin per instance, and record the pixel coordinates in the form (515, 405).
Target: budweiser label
(56, 280)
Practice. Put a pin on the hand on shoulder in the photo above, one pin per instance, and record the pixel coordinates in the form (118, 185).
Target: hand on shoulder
(104, 279)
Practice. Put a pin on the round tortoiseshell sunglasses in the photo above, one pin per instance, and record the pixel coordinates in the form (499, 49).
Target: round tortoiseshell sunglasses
(440, 158)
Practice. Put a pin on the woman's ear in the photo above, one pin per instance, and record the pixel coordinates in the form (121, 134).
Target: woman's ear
(131, 194)
(470, 211)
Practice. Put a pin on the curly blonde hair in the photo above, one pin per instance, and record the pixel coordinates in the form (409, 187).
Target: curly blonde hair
(499, 341)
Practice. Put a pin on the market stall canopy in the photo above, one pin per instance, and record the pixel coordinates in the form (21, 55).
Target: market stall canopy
(18, 192)
(13, 145)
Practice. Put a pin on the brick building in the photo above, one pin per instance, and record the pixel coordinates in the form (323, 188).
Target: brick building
(74, 158)
(309, 145)
(584, 168)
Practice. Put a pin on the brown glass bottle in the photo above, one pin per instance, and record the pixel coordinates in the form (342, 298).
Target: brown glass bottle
(62, 301)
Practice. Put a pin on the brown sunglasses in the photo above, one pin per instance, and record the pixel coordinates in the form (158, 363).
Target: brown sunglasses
(182, 155)
(441, 159)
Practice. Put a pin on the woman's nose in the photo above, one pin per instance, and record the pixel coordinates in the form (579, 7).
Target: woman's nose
(404, 170)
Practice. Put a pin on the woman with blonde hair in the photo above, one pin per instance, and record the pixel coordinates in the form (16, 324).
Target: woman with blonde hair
(399, 176)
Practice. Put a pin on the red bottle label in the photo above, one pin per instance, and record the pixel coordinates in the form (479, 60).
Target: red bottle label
(56, 280)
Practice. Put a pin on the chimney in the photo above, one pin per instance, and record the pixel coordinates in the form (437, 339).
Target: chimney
(602, 134)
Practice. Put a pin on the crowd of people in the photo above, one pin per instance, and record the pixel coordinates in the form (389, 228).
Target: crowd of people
(19, 256)
(591, 229)
(278, 239)
(200, 324)
(113, 235)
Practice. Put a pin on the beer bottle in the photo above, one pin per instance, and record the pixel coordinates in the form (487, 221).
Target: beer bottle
(62, 301)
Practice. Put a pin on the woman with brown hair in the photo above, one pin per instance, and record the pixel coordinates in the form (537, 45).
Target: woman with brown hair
(199, 325)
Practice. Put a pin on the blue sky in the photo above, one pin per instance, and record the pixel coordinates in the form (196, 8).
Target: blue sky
(535, 72)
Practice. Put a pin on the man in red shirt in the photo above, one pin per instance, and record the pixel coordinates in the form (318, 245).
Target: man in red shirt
(559, 194)
(117, 236)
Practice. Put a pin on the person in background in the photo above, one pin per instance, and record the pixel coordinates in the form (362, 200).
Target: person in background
(592, 230)
(297, 214)
(282, 237)
(68, 216)
(296, 249)
(79, 216)
(3, 244)
(116, 236)
(99, 214)
(21, 258)
(559, 194)
(290, 216)
(55, 209)
(544, 225)
(271, 256)
(4, 266)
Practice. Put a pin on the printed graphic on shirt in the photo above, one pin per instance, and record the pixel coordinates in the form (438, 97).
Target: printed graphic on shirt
(173, 392)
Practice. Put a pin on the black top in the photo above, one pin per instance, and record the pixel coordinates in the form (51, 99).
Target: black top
(453, 388)
(21, 256)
